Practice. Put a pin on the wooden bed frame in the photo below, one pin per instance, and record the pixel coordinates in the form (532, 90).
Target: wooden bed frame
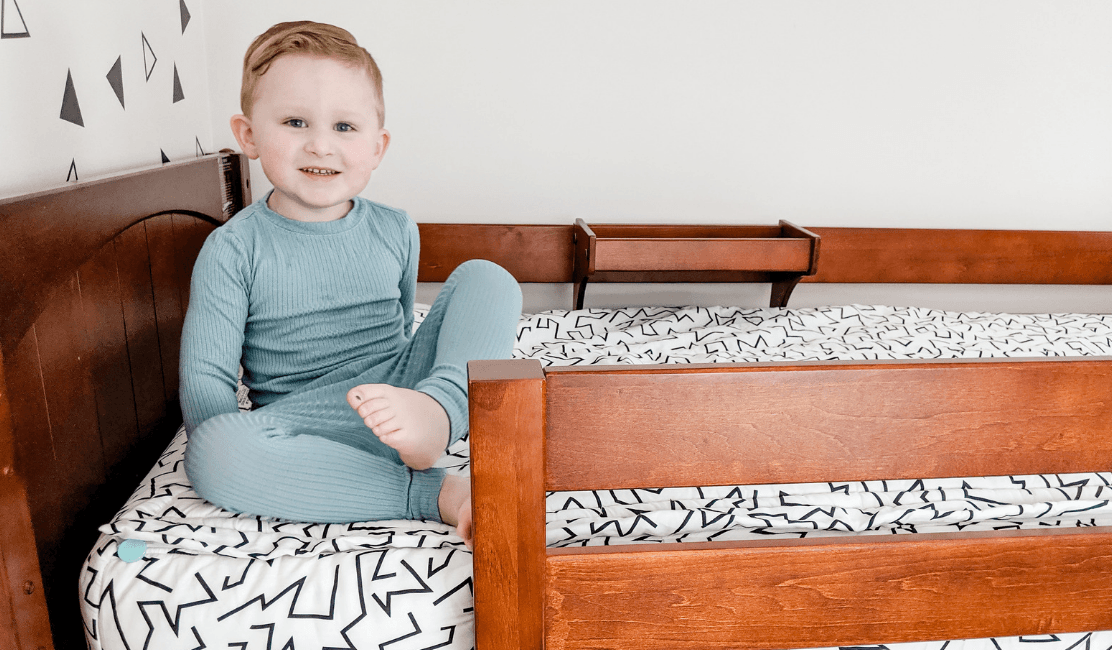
(94, 283)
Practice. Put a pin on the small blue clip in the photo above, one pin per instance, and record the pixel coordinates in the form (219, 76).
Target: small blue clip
(131, 550)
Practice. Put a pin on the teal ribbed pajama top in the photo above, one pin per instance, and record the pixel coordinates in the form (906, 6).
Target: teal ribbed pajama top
(311, 310)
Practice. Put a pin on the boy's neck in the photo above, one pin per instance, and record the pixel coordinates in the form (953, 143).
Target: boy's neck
(294, 213)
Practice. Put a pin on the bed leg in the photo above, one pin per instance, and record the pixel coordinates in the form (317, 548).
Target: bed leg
(24, 621)
(507, 414)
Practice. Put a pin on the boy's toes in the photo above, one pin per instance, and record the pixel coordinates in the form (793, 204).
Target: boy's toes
(356, 397)
(464, 528)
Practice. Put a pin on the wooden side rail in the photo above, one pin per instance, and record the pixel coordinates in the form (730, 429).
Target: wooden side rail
(740, 424)
(829, 591)
(591, 428)
(915, 256)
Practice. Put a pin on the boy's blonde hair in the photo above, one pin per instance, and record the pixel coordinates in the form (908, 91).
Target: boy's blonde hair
(305, 37)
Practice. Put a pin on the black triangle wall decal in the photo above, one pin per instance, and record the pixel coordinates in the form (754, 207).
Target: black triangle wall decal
(72, 175)
(116, 79)
(178, 94)
(184, 15)
(164, 158)
(71, 110)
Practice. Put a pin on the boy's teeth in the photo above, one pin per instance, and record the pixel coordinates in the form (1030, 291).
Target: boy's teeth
(322, 172)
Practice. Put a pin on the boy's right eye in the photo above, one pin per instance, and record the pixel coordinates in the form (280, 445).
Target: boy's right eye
(295, 122)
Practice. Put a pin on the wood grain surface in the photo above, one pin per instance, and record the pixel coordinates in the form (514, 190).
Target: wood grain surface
(785, 423)
(507, 479)
(829, 591)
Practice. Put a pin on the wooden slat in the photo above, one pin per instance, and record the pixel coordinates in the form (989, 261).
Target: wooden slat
(964, 256)
(34, 443)
(190, 234)
(168, 311)
(829, 592)
(702, 254)
(144, 350)
(848, 421)
(77, 467)
(110, 370)
(64, 353)
(531, 253)
(507, 479)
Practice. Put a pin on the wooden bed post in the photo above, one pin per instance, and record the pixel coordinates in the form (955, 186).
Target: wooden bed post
(24, 622)
(507, 479)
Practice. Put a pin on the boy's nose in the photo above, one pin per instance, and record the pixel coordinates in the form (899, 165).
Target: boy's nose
(318, 143)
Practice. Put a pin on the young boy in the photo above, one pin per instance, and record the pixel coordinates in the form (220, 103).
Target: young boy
(311, 289)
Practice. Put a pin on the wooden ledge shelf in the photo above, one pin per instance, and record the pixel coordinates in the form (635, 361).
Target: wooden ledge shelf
(781, 255)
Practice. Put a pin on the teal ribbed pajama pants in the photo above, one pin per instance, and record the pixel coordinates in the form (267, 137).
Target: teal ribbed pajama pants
(308, 456)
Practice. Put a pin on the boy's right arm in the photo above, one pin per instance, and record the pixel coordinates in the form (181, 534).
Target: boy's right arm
(212, 335)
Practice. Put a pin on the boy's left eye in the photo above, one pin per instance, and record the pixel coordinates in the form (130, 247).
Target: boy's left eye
(344, 127)
(296, 123)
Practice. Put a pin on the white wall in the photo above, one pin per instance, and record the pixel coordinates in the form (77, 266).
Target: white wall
(919, 113)
(931, 113)
(83, 40)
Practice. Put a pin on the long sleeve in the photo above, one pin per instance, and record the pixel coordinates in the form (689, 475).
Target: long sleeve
(213, 332)
(408, 284)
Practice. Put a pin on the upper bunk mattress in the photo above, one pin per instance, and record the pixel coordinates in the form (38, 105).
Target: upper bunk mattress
(205, 577)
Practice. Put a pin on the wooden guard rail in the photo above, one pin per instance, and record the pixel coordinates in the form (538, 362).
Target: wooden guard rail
(545, 253)
(534, 430)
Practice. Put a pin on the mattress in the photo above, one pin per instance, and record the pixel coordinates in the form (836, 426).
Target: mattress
(197, 576)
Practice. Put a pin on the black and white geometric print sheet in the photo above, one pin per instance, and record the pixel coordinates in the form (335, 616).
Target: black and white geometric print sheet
(209, 578)
(851, 333)
(725, 334)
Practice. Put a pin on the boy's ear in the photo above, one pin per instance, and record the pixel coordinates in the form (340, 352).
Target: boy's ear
(241, 129)
(383, 145)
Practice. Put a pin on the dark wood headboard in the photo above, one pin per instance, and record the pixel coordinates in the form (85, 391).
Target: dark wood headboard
(94, 279)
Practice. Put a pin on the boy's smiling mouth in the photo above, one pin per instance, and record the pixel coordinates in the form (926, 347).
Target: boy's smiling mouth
(317, 171)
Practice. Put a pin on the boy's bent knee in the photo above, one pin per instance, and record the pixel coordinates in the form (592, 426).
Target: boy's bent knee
(489, 276)
(221, 450)
(485, 270)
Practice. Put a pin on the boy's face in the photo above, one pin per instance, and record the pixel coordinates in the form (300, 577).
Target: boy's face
(314, 127)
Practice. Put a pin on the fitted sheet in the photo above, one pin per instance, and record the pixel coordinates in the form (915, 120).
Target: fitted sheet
(210, 578)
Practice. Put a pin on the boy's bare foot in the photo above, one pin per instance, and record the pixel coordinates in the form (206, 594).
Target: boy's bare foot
(455, 505)
(411, 422)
